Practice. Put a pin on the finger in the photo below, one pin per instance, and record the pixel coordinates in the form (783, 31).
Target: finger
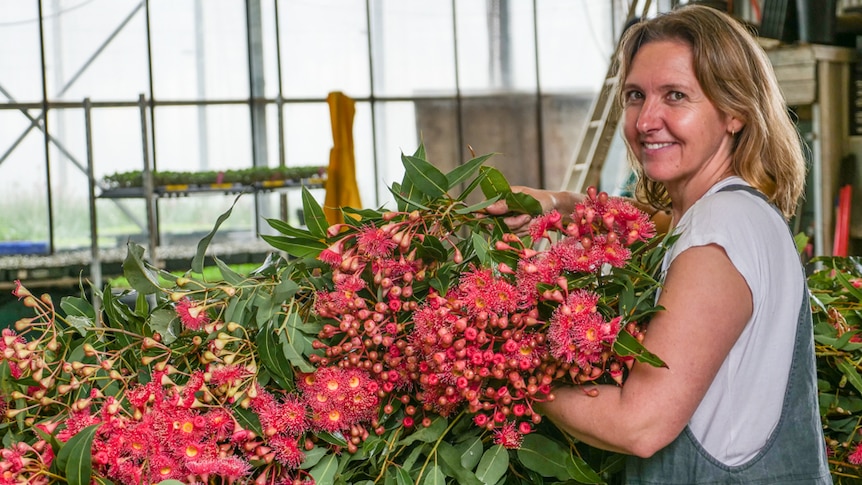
(497, 208)
(520, 221)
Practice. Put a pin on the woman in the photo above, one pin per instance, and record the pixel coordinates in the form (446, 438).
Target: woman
(710, 138)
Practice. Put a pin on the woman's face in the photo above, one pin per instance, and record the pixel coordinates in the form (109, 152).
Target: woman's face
(676, 132)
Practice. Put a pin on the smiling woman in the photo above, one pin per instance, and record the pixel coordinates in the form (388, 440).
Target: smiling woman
(710, 139)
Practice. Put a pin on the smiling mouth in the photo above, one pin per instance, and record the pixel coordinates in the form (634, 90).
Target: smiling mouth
(655, 146)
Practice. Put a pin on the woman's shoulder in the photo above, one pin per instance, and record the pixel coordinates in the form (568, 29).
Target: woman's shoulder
(731, 219)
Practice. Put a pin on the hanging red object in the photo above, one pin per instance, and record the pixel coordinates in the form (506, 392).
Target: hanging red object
(842, 222)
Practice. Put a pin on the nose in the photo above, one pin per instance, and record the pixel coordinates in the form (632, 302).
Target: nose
(649, 117)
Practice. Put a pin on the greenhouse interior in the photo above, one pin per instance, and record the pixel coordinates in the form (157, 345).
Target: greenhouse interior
(142, 141)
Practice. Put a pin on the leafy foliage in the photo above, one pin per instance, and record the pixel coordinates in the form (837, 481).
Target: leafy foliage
(403, 346)
(836, 302)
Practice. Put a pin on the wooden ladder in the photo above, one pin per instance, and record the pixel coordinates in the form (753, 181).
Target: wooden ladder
(594, 143)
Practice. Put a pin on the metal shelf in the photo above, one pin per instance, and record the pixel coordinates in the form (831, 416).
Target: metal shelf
(179, 190)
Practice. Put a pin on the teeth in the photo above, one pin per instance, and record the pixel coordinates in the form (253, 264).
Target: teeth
(655, 146)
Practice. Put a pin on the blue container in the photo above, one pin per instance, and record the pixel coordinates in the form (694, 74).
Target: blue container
(23, 247)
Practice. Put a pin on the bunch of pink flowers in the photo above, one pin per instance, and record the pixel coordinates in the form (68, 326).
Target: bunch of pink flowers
(482, 345)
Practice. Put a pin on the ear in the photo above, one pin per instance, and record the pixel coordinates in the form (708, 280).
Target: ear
(735, 125)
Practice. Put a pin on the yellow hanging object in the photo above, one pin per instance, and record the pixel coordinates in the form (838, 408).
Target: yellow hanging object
(341, 187)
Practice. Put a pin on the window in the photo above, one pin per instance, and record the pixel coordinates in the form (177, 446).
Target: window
(215, 85)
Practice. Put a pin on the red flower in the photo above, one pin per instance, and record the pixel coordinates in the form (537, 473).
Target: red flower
(287, 416)
(855, 458)
(192, 315)
(19, 291)
(228, 374)
(230, 467)
(540, 225)
(508, 436)
(374, 242)
(287, 450)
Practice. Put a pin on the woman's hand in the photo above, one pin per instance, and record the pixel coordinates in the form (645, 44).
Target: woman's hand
(563, 202)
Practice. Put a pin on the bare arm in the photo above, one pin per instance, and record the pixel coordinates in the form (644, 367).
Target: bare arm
(564, 202)
(707, 304)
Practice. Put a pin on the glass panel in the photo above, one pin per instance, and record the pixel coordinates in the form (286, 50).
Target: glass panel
(269, 47)
(200, 49)
(20, 57)
(412, 48)
(183, 221)
(363, 148)
(95, 49)
(575, 44)
(200, 138)
(397, 124)
(22, 172)
(496, 47)
(118, 148)
(69, 181)
(324, 47)
(307, 134)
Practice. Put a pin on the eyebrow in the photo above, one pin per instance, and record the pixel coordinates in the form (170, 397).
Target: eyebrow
(663, 87)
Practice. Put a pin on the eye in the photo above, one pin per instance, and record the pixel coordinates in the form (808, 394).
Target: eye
(633, 96)
(676, 96)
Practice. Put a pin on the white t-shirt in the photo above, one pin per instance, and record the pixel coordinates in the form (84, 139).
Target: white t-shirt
(743, 403)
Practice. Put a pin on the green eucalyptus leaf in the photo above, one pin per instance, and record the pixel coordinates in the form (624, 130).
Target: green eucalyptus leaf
(161, 321)
(203, 244)
(433, 476)
(426, 435)
(285, 290)
(294, 246)
(462, 172)
(402, 476)
(75, 457)
(272, 357)
(522, 203)
(420, 151)
(230, 276)
(313, 457)
(236, 310)
(248, 419)
(477, 207)
(324, 470)
(493, 182)
(476, 182)
(407, 200)
(581, 471)
(315, 219)
(293, 350)
(432, 249)
(288, 230)
(138, 273)
(482, 248)
(170, 482)
(545, 456)
(450, 463)
(332, 439)
(627, 345)
(363, 215)
(850, 371)
(494, 463)
(471, 452)
(81, 324)
(425, 177)
(76, 306)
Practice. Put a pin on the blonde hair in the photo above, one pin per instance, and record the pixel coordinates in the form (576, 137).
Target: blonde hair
(737, 76)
